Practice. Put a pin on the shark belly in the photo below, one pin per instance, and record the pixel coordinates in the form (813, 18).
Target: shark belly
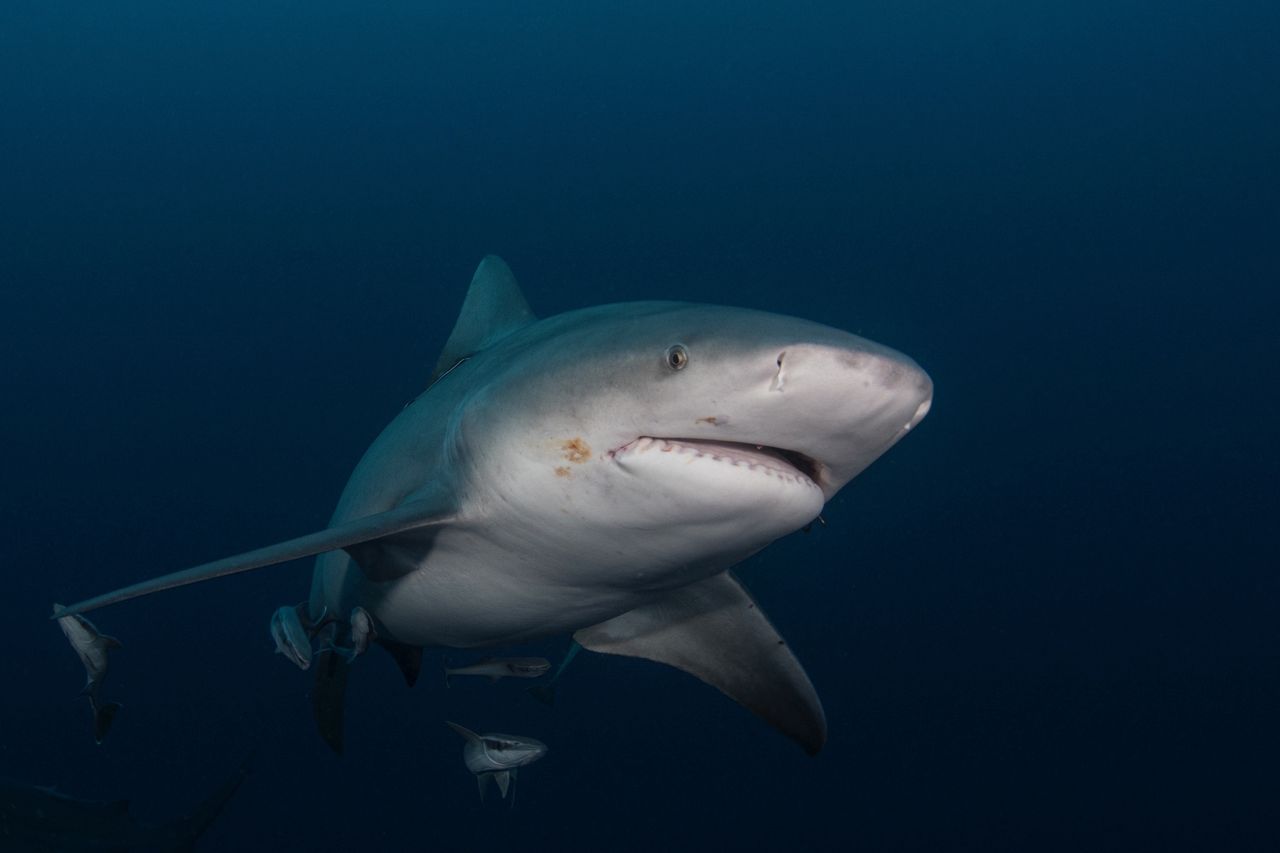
(550, 554)
(472, 593)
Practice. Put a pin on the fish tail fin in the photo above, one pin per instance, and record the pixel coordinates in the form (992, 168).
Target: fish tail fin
(328, 697)
(104, 714)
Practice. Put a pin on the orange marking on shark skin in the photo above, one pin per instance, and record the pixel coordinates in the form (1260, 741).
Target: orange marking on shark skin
(576, 451)
(562, 471)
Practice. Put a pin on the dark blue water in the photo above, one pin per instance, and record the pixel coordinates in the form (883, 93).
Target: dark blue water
(233, 237)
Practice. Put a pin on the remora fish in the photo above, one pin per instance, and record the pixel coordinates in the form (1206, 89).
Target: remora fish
(497, 756)
(39, 820)
(495, 668)
(93, 648)
(362, 631)
(292, 638)
(597, 473)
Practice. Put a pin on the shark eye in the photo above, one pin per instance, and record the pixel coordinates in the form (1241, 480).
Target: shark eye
(677, 357)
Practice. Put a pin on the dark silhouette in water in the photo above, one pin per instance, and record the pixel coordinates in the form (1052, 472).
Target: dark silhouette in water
(40, 820)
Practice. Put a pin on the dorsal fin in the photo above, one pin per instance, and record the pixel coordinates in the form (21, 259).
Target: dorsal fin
(464, 731)
(493, 309)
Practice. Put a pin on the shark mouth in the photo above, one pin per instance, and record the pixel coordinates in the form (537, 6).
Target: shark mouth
(772, 460)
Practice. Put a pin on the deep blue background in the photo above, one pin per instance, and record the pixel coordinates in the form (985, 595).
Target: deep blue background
(234, 235)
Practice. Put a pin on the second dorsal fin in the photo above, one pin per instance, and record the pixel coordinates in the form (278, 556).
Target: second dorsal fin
(493, 309)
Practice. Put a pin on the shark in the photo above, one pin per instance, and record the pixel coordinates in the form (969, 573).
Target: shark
(36, 819)
(597, 473)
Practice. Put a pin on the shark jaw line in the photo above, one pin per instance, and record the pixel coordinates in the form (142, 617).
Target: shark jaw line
(770, 461)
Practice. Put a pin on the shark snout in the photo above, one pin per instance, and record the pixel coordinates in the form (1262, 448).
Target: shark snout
(875, 375)
(924, 387)
(846, 402)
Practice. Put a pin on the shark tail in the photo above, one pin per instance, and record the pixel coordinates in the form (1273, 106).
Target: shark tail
(181, 835)
(104, 714)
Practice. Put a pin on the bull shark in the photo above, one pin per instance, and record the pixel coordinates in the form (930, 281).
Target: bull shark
(40, 820)
(597, 473)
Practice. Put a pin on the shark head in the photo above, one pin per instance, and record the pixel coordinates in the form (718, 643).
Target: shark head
(506, 752)
(490, 753)
(723, 428)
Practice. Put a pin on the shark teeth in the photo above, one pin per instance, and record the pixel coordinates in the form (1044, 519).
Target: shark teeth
(769, 461)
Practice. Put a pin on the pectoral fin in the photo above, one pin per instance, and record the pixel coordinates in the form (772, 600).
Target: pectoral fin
(503, 778)
(407, 658)
(413, 515)
(715, 631)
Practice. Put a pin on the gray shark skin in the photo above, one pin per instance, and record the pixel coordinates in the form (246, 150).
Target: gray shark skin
(597, 473)
(40, 820)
